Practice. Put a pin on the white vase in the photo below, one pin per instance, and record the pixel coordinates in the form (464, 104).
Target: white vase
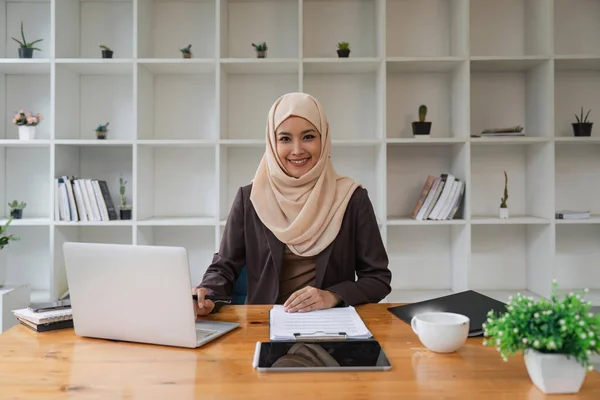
(554, 373)
(503, 213)
(26, 132)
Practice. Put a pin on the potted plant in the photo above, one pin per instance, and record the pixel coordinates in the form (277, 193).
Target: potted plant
(4, 241)
(556, 336)
(343, 49)
(16, 209)
(124, 208)
(186, 51)
(26, 122)
(101, 131)
(106, 51)
(26, 49)
(503, 210)
(582, 127)
(421, 127)
(261, 49)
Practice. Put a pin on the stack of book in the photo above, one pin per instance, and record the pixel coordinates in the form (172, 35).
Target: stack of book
(569, 214)
(440, 199)
(79, 199)
(516, 130)
(45, 320)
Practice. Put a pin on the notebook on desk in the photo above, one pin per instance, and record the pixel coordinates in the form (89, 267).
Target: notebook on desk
(340, 323)
(470, 303)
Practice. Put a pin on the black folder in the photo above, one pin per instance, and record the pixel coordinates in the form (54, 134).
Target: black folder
(470, 303)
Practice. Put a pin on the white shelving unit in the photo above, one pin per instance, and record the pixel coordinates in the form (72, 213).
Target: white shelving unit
(186, 133)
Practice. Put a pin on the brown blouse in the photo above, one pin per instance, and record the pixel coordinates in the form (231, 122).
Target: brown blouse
(297, 272)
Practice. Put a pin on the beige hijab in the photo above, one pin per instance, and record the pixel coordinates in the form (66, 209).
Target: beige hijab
(304, 213)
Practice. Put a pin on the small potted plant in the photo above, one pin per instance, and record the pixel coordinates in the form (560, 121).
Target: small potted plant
(16, 209)
(343, 49)
(106, 51)
(5, 238)
(101, 131)
(503, 210)
(27, 122)
(421, 127)
(556, 336)
(124, 208)
(186, 52)
(261, 49)
(582, 127)
(26, 49)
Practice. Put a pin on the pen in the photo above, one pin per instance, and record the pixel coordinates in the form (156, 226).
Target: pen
(213, 298)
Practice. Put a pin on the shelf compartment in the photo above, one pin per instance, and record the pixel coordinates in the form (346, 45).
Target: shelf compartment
(165, 27)
(199, 242)
(90, 98)
(577, 185)
(176, 182)
(577, 63)
(324, 26)
(26, 179)
(513, 97)
(530, 182)
(28, 91)
(509, 27)
(351, 102)
(260, 66)
(444, 92)
(575, 25)
(190, 98)
(246, 99)
(429, 258)
(238, 166)
(574, 90)
(407, 171)
(511, 258)
(81, 28)
(341, 65)
(272, 21)
(577, 253)
(441, 25)
(28, 260)
(106, 163)
(36, 16)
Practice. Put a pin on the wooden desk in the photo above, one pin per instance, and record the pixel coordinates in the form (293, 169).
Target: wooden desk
(59, 364)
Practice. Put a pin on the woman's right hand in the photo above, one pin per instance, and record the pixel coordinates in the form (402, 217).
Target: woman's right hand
(202, 307)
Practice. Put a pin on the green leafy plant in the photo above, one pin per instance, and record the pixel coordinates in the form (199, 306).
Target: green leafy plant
(581, 119)
(503, 199)
(15, 205)
(103, 47)
(23, 43)
(5, 238)
(559, 326)
(122, 184)
(343, 46)
(103, 128)
(187, 50)
(422, 113)
(260, 46)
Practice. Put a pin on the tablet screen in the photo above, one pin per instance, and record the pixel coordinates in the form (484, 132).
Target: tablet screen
(354, 354)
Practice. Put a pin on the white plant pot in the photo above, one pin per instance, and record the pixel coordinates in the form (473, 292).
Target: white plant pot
(503, 213)
(554, 373)
(26, 132)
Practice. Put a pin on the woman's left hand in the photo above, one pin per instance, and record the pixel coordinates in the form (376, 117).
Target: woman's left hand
(309, 299)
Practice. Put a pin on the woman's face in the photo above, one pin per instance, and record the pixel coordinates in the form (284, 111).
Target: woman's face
(298, 145)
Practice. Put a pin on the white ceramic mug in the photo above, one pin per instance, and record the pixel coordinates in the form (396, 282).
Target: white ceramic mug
(441, 332)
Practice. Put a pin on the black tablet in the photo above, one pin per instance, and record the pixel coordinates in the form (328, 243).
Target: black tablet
(350, 355)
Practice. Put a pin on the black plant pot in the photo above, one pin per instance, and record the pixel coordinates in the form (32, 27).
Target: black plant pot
(25, 53)
(107, 53)
(343, 53)
(125, 214)
(421, 128)
(16, 214)
(582, 129)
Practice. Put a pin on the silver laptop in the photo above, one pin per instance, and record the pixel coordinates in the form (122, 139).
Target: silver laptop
(135, 293)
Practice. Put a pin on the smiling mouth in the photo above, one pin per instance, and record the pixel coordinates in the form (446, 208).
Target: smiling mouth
(299, 163)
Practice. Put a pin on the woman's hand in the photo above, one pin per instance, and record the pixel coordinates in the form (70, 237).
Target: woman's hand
(202, 307)
(309, 299)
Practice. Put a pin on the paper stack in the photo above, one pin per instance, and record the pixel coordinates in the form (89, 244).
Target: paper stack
(45, 320)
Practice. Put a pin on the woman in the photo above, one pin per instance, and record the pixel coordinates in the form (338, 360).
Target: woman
(302, 231)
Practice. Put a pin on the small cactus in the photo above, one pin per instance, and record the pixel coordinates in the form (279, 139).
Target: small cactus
(422, 113)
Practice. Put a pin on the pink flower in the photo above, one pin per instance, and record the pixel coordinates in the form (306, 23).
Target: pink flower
(40, 117)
